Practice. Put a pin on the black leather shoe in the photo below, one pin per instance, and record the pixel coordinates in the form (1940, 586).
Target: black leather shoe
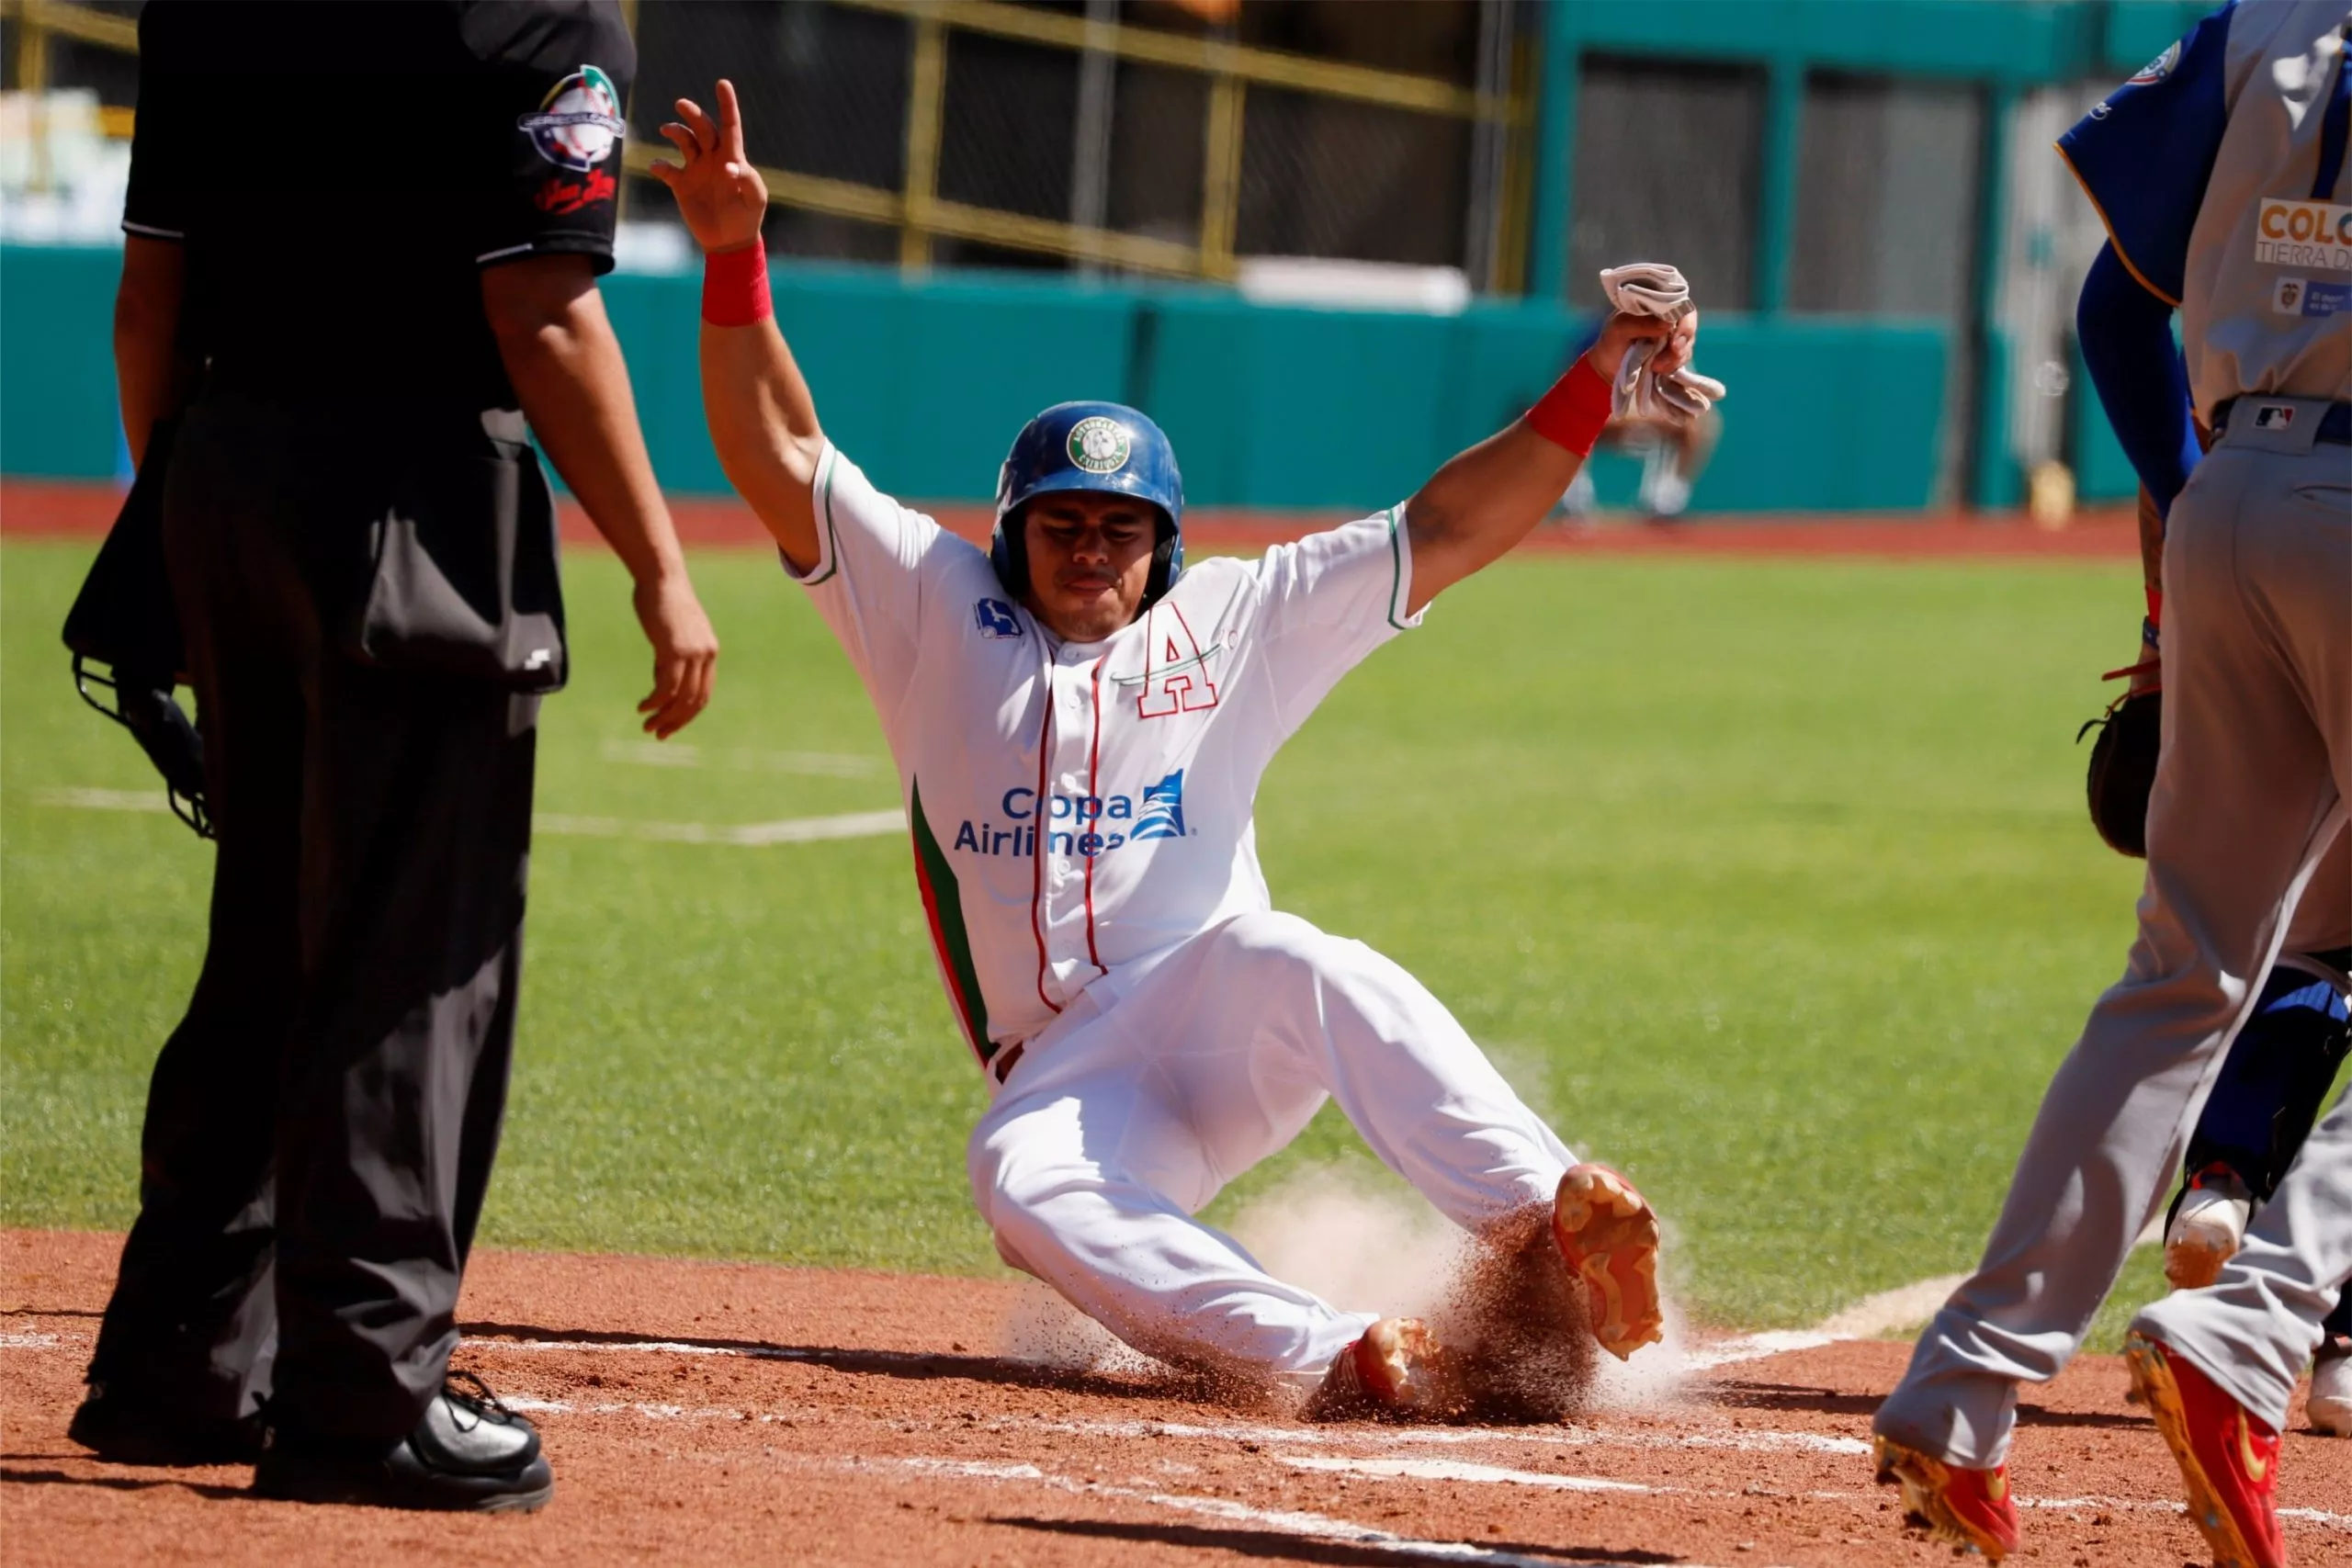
(128, 1428)
(469, 1453)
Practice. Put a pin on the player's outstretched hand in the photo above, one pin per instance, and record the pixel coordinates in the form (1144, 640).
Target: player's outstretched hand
(685, 654)
(1625, 328)
(721, 196)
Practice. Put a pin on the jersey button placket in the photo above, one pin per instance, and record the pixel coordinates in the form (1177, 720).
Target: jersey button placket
(1064, 921)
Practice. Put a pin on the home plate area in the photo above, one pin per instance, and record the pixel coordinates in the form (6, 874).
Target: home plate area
(701, 1411)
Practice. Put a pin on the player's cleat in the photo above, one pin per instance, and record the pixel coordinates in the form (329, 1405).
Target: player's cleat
(2330, 1404)
(2207, 1227)
(1966, 1508)
(2228, 1459)
(1391, 1372)
(1609, 1235)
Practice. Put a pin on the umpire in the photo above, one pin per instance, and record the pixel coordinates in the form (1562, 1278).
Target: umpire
(361, 247)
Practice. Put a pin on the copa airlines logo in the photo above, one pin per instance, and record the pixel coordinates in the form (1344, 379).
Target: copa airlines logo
(578, 121)
(1082, 825)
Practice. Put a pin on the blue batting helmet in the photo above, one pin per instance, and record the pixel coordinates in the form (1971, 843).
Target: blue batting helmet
(1106, 447)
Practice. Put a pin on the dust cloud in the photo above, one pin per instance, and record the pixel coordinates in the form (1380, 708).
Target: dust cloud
(1502, 1304)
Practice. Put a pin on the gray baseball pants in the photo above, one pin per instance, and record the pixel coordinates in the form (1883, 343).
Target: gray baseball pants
(2251, 1330)
(2250, 788)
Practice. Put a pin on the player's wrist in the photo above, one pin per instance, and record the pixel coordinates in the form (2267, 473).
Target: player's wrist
(1572, 414)
(735, 285)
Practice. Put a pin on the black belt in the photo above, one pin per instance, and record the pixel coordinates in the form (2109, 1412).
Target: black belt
(1005, 1060)
(2334, 425)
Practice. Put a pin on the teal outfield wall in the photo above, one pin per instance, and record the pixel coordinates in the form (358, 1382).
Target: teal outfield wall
(925, 382)
(58, 415)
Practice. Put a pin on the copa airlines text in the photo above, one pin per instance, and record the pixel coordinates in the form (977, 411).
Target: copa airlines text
(1159, 814)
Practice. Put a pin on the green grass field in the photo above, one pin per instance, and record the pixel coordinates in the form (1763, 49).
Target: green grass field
(1769, 882)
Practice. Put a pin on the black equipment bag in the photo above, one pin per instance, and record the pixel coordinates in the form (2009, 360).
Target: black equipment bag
(124, 619)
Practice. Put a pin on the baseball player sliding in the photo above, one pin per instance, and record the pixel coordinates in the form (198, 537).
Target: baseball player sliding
(1079, 722)
(2220, 170)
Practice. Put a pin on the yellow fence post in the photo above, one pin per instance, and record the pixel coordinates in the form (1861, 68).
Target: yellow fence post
(32, 51)
(926, 93)
(1221, 175)
(628, 110)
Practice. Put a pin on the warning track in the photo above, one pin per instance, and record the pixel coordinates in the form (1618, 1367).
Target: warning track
(702, 1410)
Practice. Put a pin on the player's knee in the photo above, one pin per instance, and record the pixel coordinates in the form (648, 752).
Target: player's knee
(1015, 1186)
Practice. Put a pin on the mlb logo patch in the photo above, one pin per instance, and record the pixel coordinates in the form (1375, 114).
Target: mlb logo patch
(2273, 416)
(996, 619)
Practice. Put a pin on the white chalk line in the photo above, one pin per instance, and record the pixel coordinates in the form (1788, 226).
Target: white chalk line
(1239, 1432)
(685, 754)
(1284, 1521)
(1704, 1358)
(1453, 1470)
(1408, 1468)
(1456, 1470)
(790, 830)
(1569, 1437)
(1371, 1467)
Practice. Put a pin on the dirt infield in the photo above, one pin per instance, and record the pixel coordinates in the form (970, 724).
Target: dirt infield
(57, 509)
(701, 1411)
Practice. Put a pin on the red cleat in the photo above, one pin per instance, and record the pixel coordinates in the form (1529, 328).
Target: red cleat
(2228, 1459)
(1967, 1508)
(1391, 1373)
(1609, 1235)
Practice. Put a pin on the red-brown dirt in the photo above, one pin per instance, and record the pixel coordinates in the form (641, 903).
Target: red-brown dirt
(60, 509)
(709, 1411)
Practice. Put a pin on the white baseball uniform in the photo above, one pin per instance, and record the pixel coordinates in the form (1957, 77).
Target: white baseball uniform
(1149, 1026)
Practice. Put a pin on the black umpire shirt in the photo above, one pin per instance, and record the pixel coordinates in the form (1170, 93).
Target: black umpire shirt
(340, 171)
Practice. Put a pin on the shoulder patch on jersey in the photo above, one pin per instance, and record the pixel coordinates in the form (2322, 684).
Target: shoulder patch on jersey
(2156, 70)
(578, 121)
(996, 619)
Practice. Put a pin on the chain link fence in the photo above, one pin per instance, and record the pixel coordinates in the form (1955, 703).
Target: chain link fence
(1148, 136)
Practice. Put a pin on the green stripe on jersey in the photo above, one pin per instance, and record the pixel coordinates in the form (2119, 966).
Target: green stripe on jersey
(830, 546)
(1397, 570)
(941, 891)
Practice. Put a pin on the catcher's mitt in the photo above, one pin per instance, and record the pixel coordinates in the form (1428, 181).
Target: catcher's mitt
(2124, 769)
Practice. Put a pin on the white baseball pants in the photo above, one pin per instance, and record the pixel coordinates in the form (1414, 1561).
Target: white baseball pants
(1121, 1123)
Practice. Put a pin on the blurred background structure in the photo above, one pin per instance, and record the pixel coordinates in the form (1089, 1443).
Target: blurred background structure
(1325, 241)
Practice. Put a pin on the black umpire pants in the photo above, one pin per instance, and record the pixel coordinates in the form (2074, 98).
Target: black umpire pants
(321, 1126)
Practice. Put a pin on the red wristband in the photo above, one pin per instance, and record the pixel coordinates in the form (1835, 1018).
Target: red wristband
(2156, 605)
(1572, 412)
(735, 286)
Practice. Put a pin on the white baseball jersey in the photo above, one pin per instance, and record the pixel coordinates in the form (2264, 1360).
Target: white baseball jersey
(1079, 809)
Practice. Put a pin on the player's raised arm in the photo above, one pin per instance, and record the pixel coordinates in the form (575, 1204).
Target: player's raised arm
(1485, 500)
(762, 420)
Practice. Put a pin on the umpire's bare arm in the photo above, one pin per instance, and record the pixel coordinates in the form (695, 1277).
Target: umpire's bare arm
(153, 377)
(560, 351)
